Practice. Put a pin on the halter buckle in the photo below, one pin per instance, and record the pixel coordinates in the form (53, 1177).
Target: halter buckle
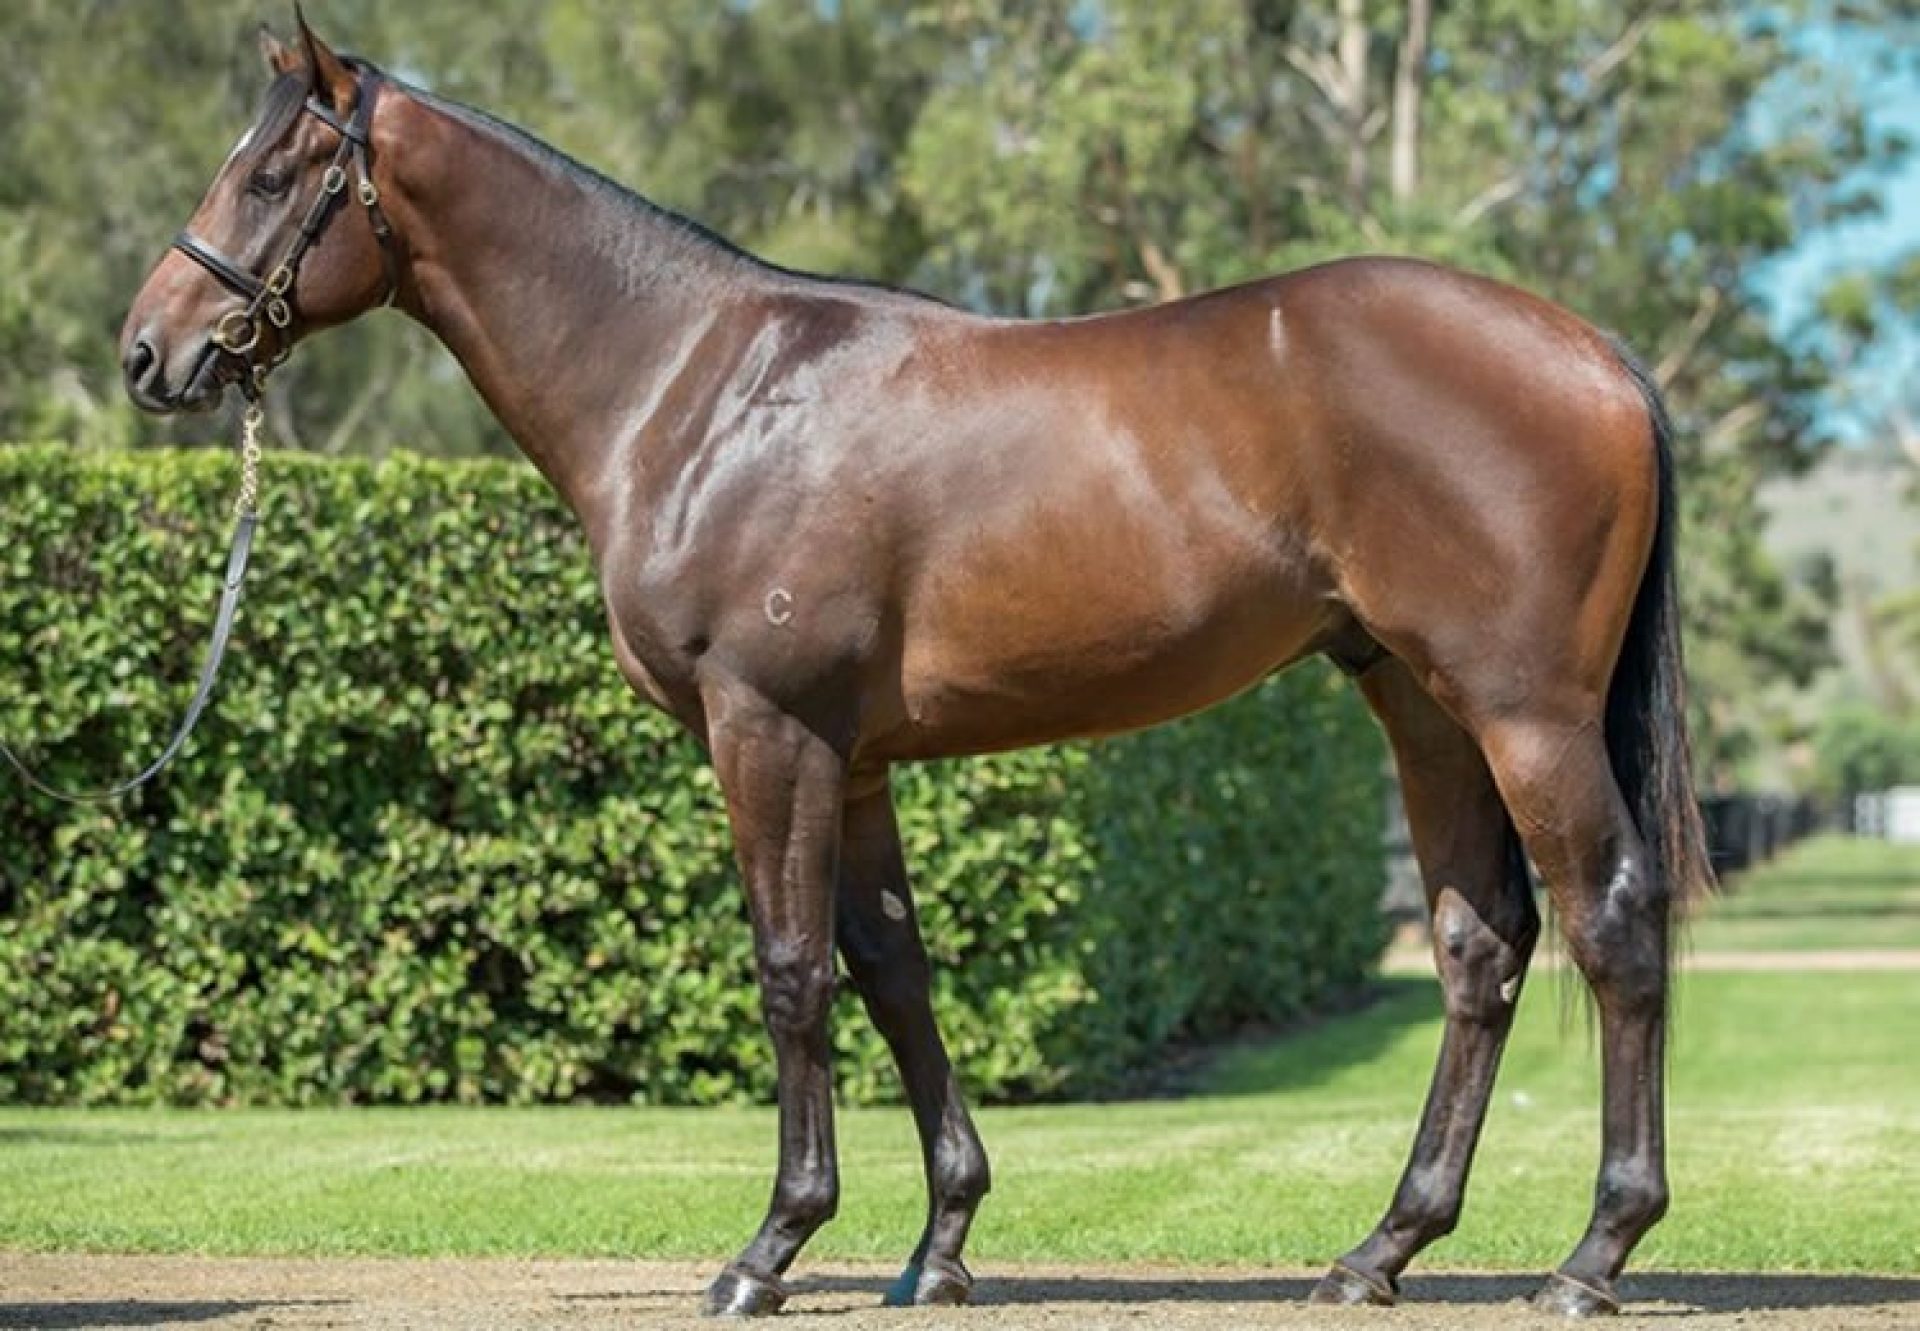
(236, 333)
(278, 312)
(334, 181)
(369, 195)
(281, 282)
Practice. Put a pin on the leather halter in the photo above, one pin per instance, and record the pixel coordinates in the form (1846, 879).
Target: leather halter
(238, 332)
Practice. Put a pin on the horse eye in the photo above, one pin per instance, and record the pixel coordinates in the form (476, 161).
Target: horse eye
(270, 182)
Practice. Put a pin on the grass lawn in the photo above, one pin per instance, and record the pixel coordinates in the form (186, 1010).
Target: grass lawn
(1828, 893)
(1795, 1126)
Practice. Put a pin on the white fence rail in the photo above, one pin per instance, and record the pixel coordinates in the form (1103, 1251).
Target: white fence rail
(1890, 815)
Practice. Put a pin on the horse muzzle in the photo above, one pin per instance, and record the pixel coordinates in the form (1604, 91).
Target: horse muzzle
(146, 370)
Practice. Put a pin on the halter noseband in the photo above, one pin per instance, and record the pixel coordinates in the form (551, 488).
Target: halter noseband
(238, 332)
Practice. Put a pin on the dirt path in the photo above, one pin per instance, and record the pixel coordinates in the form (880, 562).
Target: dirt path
(210, 1294)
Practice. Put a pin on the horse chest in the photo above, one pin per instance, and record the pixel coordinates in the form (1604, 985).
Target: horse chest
(657, 655)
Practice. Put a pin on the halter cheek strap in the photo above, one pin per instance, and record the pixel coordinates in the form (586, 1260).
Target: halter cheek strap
(238, 332)
(357, 135)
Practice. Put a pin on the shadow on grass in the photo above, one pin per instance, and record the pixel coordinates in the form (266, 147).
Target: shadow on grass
(1265, 1062)
(90, 1135)
(1682, 1292)
(137, 1312)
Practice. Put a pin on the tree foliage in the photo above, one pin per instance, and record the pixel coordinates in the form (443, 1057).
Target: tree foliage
(1860, 749)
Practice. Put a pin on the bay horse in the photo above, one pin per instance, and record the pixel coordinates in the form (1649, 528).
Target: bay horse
(840, 526)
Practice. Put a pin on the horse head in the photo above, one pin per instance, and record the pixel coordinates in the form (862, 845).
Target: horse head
(275, 250)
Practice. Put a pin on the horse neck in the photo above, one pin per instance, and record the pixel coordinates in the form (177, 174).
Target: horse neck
(568, 305)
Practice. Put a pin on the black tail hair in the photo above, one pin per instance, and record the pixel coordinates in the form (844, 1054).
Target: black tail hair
(1647, 701)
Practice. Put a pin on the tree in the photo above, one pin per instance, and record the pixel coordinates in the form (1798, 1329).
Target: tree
(1859, 749)
(1860, 314)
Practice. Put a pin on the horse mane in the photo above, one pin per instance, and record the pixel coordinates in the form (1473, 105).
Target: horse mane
(696, 233)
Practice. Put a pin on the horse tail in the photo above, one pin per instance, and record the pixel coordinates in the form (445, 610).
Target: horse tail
(1646, 702)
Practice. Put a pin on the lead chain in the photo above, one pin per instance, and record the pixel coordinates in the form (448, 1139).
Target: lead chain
(248, 502)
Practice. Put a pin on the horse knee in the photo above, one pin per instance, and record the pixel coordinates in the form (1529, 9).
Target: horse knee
(1620, 938)
(796, 988)
(1480, 963)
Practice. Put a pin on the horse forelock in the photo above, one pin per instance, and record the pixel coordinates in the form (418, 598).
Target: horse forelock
(282, 102)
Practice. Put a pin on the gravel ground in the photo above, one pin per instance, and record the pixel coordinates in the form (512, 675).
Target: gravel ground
(300, 1295)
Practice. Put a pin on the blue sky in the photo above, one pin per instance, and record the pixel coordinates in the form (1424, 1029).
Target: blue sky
(1893, 96)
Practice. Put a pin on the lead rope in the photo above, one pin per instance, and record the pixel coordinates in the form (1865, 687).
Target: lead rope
(246, 517)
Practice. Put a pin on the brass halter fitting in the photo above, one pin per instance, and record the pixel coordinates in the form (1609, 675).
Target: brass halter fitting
(238, 332)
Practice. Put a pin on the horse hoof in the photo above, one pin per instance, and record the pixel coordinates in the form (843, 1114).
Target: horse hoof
(935, 1285)
(738, 1292)
(1569, 1297)
(1346, 1287)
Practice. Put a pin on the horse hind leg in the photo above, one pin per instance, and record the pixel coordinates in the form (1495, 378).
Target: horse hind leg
(1559, 783)
(1484, 927)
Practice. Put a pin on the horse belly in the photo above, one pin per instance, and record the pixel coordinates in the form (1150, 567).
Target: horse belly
(1120, 538)
(1064, 657)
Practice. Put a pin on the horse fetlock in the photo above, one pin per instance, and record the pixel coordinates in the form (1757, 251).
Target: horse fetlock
(1631, 1198)
(1425, 1209)
(803, 1205)
(961, 1174)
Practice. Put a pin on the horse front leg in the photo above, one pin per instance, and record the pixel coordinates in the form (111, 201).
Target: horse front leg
(879, 935)
(784, 788)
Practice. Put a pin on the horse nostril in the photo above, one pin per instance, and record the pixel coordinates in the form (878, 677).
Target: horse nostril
(141, 362)
(146, 374)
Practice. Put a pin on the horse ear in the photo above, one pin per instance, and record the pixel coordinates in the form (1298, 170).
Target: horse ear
(280, 58)
(332, 82)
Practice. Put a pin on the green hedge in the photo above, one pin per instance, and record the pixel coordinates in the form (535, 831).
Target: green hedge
(426, 846)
